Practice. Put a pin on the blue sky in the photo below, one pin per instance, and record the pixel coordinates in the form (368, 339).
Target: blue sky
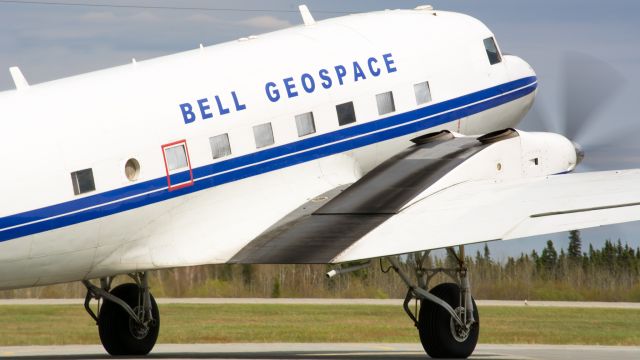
(49, 42)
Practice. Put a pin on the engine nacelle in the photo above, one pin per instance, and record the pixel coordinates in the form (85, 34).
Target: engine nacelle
(504, 155)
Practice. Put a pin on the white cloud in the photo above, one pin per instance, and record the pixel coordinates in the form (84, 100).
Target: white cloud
(266, 22)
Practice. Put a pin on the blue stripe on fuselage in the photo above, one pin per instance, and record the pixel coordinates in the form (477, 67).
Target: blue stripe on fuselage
(153, 191)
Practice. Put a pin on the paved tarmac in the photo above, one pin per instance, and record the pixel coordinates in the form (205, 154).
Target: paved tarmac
(325, 351)
(398, 302)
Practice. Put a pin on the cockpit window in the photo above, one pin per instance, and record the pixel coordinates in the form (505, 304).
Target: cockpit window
(492, 50)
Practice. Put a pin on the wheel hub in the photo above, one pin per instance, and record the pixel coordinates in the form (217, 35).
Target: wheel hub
(139, 331)
(459, 333)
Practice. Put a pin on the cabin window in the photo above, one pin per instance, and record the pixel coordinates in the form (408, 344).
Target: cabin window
(263, 134)
(83, 181)
(305, 124)
(492, 50)
(132, 169)
(176, 157)
(346, 113)
(385, 103)
(423, 92)
(220, 146)
(177, 165)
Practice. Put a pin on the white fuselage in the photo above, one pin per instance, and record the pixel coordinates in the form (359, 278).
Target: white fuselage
(99, 120)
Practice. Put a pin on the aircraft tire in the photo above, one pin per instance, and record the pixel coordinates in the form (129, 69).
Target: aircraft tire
(435, 326)
(118, 333)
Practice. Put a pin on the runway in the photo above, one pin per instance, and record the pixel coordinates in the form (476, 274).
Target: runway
(308, 301)
(325, 351)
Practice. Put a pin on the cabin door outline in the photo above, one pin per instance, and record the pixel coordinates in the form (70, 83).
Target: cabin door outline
(177, 165)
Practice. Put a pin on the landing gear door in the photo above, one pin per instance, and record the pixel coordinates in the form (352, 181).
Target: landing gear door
(177, 165)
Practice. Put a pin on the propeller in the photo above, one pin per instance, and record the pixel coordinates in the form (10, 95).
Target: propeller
(588, 85)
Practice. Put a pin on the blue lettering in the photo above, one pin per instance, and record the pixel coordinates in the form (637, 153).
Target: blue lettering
(311, 85)
(187, 113)
(324, 75)
(204, 108)
(389, 62)
(239, 107)
(357, 72)
(290, 86)
(374, 71)
(221, 109)
(272, 92)
(341, 71)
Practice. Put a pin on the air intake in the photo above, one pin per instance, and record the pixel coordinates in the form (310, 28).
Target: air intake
(499, 135)
(443, 135)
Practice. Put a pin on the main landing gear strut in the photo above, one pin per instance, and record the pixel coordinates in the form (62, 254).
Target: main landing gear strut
(447, 321)
(128, 319)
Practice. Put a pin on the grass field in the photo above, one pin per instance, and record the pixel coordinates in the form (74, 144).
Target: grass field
(69, 324)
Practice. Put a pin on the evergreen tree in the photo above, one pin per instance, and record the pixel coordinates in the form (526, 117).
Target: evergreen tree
(592, 256)
(575, 246)
(619, 249)
(534, 256)
(450, 260)
(549, 257)
(608, 256)
(561, 268)
(487, 254)
(478, 258)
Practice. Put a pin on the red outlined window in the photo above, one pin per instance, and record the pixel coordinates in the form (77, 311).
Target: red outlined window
(177, 164)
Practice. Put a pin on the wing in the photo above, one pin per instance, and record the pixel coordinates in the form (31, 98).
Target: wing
(489, 210)
(451, 191)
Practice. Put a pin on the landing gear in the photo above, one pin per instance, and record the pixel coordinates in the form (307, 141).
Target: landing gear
(128, 320)
(440, 335)
(448, 321)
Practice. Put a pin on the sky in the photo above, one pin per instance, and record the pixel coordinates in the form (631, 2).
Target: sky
(50, 42)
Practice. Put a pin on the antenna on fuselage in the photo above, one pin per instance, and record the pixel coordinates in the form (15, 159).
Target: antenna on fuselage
(307, 18)
(18, 78)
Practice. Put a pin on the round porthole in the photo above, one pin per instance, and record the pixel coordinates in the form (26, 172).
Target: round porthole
(499, 166)
(132, 169)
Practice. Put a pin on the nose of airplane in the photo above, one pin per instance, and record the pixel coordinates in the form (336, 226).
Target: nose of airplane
(518, 68)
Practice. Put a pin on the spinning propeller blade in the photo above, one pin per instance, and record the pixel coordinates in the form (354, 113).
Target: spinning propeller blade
(588, 84)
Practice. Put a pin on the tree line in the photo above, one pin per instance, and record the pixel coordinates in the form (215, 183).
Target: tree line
(610, 273)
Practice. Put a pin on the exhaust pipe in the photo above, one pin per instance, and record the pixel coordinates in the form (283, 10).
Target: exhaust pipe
(350, 269)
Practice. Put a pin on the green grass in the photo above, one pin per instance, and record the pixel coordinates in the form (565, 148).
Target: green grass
(47, 325)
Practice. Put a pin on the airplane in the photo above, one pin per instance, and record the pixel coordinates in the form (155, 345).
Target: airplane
(333, 142)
